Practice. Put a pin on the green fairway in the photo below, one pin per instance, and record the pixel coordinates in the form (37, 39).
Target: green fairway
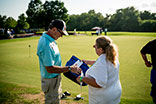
(151, 34)
(19, 64)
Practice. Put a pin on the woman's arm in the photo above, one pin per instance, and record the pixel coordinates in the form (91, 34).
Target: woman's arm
(89, 62)
(89, 81)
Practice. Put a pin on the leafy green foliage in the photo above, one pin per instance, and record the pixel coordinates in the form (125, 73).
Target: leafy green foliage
(146, 15)
(22, 22)
(2, 21)
(54, 10)
(10, 23)
(33, 12)
(40, 15)
(148, 25)
(85, 21)
(126, 19)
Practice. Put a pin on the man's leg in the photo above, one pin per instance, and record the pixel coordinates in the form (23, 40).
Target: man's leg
(52, 90)
(153, 93)
(153, 82)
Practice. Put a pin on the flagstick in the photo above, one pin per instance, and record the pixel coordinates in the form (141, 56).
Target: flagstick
(29, 50)
(81, 82)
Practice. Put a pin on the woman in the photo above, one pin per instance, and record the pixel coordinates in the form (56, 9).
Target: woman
(103, 76)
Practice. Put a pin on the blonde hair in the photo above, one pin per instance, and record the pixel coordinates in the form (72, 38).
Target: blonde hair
(108, 47)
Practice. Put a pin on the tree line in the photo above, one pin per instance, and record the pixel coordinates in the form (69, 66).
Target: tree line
(127, 19)
(39, 15)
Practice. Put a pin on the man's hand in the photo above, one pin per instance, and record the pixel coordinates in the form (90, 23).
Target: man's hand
(148, 64)
(75, 69)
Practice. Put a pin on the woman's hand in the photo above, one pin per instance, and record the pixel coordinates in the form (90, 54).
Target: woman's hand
(78, 79)
(75, 69)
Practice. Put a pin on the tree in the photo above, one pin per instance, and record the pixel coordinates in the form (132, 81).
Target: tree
(54, 10)
(95, 19)
(145, 15)
(10, 23)
(148, 25)
(85, 21)
(73, 22)
(2, 26)
(2, 21)
(153, 16)
(22, 23)
(115, 20)
(33, 13)
(107, 22)
(125, 20)
(40, 15)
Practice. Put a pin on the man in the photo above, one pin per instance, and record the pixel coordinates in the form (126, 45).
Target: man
(150, 48)
(50, 61)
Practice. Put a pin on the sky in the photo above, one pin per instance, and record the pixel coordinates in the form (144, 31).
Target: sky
(14, 8)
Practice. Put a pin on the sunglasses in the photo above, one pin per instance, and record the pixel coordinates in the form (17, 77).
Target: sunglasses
(60, 32)
(94, 46)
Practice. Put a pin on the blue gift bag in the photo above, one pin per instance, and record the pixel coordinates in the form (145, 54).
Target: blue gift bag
(75, 61)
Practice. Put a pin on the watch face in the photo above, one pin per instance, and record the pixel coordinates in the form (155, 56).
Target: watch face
(69, 68)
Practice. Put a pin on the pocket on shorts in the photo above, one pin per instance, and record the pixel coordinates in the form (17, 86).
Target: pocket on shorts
(45, 85)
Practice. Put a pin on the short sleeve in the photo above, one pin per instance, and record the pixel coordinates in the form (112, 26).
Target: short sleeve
(99, 73)
(146, 49)
(46, 56)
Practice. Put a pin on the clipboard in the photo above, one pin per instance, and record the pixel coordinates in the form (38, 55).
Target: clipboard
(76, 61)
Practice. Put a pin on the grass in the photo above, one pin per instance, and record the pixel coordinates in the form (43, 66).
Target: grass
(9, 94)
(20, 70)
(151, 34)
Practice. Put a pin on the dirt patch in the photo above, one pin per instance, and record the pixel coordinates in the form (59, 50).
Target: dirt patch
(40, 98)
(65, 102)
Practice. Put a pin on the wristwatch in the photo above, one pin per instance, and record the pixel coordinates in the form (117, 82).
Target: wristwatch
(69, 68)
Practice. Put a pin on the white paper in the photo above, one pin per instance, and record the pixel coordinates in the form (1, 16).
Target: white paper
(78, 63)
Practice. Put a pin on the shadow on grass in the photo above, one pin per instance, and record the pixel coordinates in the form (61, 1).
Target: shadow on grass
(134, 101)
(14, 94)
(11, 94)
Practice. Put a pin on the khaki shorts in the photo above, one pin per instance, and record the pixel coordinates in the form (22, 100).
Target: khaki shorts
(52, 89)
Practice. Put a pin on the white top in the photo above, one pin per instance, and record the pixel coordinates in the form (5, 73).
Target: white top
(106, 76)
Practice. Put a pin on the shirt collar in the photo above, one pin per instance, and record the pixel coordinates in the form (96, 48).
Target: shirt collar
(48, 37)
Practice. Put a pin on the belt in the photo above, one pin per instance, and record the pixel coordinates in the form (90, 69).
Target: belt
(51, 78)
(56, 76)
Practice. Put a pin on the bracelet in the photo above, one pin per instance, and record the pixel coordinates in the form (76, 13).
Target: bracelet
(69, 68)
(81, 78)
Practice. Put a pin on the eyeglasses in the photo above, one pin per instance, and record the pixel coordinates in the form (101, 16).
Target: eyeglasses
(94, 46)
(60, 32)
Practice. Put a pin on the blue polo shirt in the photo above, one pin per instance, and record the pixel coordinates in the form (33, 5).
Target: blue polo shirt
(48, 54)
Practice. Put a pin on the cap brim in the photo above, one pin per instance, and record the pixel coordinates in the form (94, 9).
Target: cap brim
(65, 32)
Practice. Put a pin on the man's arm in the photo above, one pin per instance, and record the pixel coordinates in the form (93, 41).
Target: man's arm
(60, 69)
(147, 63)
